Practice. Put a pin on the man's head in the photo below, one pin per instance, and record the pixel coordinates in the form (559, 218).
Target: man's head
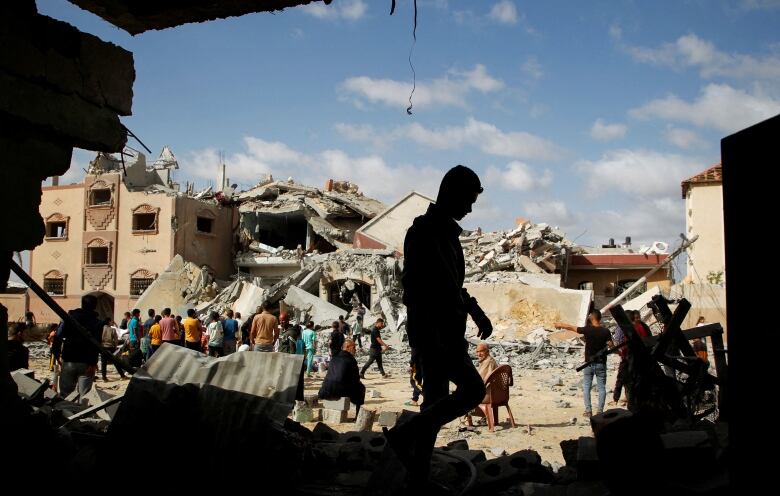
(349, 346)
(336, 325)
(595, 318)
(16, 331)
(151, 313)
(166, 312)
(310, 324)
(136, 312)
(284, 319)
(157, 318)
(637, 316)
(341, 318)
(482, 352)
(458, 191)
(127, 315)
(380, 324)
(191, 313)
(214, 316)
(238, 314)
(88, 302)
(260, 308)
(700, 320)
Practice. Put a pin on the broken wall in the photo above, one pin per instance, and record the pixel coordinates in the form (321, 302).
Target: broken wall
(525, 307)
(169, 289)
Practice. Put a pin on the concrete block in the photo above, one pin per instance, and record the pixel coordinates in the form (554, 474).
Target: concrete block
(365, 419)
(336, 404)
(602, 420)
(26, 372)
(302, 413)
(312, 400)
(334, 416)
(375, 393)
(686, 451)
(505, 471)
(388, 418)
(588, 466)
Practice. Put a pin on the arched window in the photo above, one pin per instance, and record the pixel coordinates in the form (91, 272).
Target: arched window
(140, 280)
(100, 193)
(145, 219)
(54, 282)
(97, 252)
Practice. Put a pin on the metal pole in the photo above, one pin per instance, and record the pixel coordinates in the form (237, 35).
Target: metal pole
(643, 279)
(65, 316)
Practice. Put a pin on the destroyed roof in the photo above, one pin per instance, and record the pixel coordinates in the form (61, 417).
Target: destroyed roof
(285, 196)
(713, 175)
(166, 159)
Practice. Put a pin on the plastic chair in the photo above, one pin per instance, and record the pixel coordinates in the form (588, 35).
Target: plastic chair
(497, 394)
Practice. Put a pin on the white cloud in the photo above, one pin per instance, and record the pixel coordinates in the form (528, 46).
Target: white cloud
(690, 51)
(518, 176)
(371, 173)
(450, 90)
(485, 136)
(533, 68)
(504, 12)
(602, 131)
(718, 107)
(615, 32)
(555, 213)
(683, 138)
(350, 10)
(638, 173)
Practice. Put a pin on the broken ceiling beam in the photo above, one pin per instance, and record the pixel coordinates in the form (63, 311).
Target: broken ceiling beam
(331, 233)
(367, 207)
(328, 209)
(320, 311)
(311, 280)
(529, 265)
(279, 290)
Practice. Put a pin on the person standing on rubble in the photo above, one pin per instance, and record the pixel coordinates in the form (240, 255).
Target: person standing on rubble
(134, 328)
(375, 350)
(265, 330)
(216, 336)
(357, 331)
(597, 338)
(432, 278)
(109, 341)
(168, 327)
(336, 338)
(192, 331)
(79, 356)
(231, 329)
(310, 343)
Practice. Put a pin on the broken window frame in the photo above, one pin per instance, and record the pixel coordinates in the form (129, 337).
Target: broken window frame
(55, 219)
(146, 210)
(205, 215)
(89, 253)
(92, 194)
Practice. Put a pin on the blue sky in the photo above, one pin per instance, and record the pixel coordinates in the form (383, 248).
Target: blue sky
(585, 115)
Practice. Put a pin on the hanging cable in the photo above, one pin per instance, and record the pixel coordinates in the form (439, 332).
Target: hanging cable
(411, 50)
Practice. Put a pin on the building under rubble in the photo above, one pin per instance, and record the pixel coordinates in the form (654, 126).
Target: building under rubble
(114, 232)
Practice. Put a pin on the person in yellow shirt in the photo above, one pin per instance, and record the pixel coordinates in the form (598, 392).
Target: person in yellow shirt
(192, 330)
(155, 334)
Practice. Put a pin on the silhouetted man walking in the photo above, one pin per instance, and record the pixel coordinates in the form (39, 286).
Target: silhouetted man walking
(437, 305)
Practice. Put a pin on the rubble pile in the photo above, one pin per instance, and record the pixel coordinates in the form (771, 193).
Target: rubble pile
(534, 248)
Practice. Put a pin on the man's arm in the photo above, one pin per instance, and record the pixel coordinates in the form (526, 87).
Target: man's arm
(568, 327)
(477, 315)
(384, 345)
(253, 331)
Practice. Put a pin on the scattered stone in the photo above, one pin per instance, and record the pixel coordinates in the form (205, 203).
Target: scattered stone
(388, 418)
(332, 417)
(498, 452)
(337, 404)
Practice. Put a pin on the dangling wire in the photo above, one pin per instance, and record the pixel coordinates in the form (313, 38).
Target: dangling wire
(414, 74)
(411, 50)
